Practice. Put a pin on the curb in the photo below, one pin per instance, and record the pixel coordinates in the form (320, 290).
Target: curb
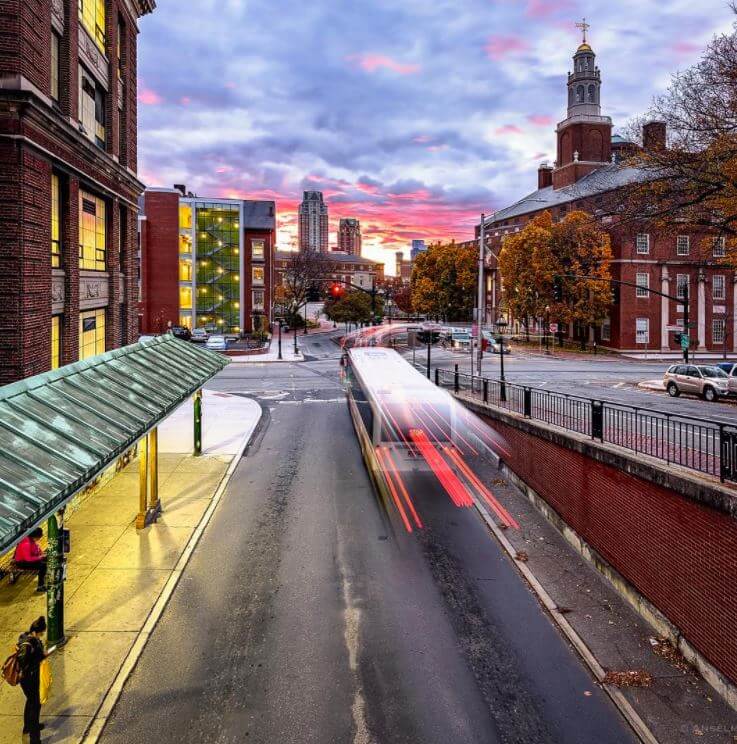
(620, 701)
(100, 717)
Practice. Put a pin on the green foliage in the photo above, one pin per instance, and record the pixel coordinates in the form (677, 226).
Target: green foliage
(353, 307)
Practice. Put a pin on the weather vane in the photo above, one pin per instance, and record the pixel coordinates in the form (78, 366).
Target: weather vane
(584, 27)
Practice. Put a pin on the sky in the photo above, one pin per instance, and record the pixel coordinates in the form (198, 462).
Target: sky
(412, 115)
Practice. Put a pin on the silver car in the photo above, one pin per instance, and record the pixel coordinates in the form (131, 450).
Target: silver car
(698, 379)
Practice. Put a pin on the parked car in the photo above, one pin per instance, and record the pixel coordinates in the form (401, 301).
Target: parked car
(216, 343)
(199, 335)
(181, 332)
(708, 381)
(730, 368)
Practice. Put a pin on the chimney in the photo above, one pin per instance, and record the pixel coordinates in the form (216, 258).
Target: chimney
(653, 136)
(181, 187)
(544, 176)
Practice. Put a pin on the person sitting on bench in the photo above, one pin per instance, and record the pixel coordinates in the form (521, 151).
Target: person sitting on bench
(29, 557)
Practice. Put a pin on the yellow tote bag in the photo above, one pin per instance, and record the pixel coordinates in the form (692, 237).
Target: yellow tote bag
(45, 681)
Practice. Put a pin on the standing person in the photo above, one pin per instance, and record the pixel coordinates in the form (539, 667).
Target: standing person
(30, 655)
(29, 556)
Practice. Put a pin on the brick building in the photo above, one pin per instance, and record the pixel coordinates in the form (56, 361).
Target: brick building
(68, 185)
(588, 168)
(205, 262)
(349, 236)
(403, 267)
(357, 270)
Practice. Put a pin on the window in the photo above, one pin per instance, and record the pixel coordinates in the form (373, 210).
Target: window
(91, 108)
(92, 232)
(91, 333)
(719, 247)
(55, 341)
(592, 94)
(185, 298)
(643, 243)
(92, 18)
(681, 285)
(185, 217)
(606, 329)
(258, 299)
(55, 222)
(257, 249)
(717, 331)
(643, 284)
(642, 330)
(258, 274)
(579, 94)
(718, 287)
(683, 245)
(55, 66)
(185, 270)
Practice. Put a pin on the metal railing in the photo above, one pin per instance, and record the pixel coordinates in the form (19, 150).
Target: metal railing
(705, 446)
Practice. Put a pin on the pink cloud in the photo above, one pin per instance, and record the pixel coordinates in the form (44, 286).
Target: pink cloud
(685, 48)
(545, 8)
(437, 148)
(373, 62)
(540, 120)
(149, 97)
(422, 138)
(508, 129)
(185, 100)
(499, 47)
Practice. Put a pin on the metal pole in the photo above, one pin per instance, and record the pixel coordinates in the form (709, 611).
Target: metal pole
(153, 456)
(429, 344)
(373, 301)
(295, 341)
(481, 300)
(197, 422)
(143, 479)
(685, 320)
(305, 333)
(502, 386)
(280, 356)
(54, 583)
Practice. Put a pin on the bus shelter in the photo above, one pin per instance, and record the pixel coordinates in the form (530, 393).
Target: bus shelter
(61, 430)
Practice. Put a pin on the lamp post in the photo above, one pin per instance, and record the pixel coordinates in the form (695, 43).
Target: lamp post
(279, 321)
(547, 325)
(502, 324)
(295, 341)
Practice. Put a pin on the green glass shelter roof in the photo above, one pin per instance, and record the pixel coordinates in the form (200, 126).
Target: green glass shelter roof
(61, 429)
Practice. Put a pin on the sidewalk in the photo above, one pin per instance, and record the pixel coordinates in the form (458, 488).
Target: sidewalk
(116, 574)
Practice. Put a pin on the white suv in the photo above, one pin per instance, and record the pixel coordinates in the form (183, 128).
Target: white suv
(707, 381)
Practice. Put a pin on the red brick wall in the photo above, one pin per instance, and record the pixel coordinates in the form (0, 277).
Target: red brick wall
(680, 555)
(160, 262)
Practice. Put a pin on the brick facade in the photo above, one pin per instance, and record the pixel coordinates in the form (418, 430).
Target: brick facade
(40, 137)
(679, 554)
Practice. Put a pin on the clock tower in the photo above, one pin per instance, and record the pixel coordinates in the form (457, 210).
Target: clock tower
(584, 136)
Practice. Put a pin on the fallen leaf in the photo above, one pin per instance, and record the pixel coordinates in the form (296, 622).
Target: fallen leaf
(630, 678)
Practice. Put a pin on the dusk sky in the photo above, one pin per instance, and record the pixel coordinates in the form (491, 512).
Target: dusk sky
(411, 115)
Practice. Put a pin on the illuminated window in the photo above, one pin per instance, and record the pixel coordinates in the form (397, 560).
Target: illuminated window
(55, 222)
(257, 249)
(185, 217)
(643, 243)
(185, 270)
(92, 232)
(683, 245)
(91, 333)
(185, 320)
(55, 66)
(55, 341)
(91, 108)
(643, 284)
(718, 287)
(258, 299)
(258, 274)
(92, 18)
(185, 298)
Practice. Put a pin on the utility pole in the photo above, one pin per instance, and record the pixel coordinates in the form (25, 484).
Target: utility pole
(686, 329)
(480, 300)
(279, 321)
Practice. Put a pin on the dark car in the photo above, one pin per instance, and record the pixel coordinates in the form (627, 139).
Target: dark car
(181, 332)
(726, 366)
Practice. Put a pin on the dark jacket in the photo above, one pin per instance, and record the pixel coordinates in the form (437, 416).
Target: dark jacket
(30, 654)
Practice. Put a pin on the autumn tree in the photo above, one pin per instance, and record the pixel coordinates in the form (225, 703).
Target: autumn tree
(443, 282)
(304, 270)
(353, 306)
(693, 179)
(393, 288)
(531, 259)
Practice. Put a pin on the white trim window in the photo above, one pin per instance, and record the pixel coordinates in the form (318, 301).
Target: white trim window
(717, 330)
(643, 285)
(719, 247)
(642, 330)
(643, 243)
(718, 287)
(606, 329)
(258, 299)
(682, 282)
(683, 245)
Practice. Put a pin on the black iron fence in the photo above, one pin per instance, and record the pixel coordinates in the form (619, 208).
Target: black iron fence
(706, 446)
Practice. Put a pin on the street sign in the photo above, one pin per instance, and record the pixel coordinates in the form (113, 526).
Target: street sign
(684, 341)
(554, 328)
(674, 328)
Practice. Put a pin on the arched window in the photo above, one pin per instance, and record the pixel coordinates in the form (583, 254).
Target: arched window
(570, 96)
(592, 93)
(580, 94)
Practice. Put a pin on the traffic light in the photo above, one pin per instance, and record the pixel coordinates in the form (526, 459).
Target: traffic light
(677, 338)
(336, 290)
(558, 288)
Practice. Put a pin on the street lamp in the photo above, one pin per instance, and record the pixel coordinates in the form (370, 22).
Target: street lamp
(502, 324)
(547, 326)
(279, 321)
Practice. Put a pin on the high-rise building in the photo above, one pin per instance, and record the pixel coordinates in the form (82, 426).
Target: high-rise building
(403, 267)
(349, 236)
(206, 263)
(68, 184)
(418, 246)
(313, 222)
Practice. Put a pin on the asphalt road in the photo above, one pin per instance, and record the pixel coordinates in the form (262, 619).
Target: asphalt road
(308, 614)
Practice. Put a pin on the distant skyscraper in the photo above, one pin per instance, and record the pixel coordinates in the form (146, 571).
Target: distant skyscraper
(313, 223)
(418, 246)
(349, 236)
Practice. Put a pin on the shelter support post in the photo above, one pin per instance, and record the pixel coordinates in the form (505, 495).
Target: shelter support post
(198, 418)
(142, 483)
(153, 456)
(54, 583)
